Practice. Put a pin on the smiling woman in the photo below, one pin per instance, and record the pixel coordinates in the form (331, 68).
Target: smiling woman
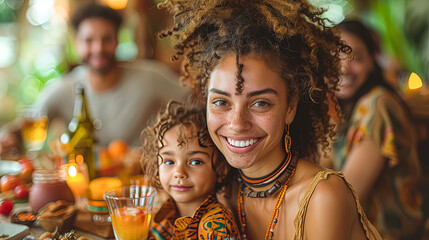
(255, 116)
(266, 69)
(377, 143)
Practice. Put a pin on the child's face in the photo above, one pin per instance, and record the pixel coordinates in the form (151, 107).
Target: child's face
(186, 172)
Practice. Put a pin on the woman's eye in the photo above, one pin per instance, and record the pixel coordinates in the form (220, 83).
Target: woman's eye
(195, 162)
(261, 104)
(220, 103)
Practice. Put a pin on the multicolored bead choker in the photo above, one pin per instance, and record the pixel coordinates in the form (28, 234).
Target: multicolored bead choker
(278, 176)
(281, 183)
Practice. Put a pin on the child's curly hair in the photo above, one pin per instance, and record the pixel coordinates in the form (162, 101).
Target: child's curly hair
(191, 120)
(289, 35)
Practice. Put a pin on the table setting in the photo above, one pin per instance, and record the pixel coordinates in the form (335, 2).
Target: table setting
(49, 198)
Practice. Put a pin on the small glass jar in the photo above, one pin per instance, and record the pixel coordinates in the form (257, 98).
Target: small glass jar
(49, 186)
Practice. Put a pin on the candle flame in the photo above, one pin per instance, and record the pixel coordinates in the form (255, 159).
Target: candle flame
(116, 4)
(414, 81)
(72, 171)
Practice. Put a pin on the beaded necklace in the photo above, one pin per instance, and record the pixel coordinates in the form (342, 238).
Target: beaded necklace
(285, 173)
(269, 178)
(274, 219)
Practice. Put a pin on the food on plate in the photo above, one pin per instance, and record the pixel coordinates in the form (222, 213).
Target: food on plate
(57, 215)
(26, 218)
(56, 209)
(56, 236)
(46, 235)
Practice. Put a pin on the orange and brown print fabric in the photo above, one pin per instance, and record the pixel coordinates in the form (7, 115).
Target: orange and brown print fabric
(210, 221)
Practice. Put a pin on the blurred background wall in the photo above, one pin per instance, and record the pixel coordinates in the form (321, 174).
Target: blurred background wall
(36, 43)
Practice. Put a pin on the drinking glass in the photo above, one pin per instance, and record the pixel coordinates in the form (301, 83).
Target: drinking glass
(34, 130)
(130, 209)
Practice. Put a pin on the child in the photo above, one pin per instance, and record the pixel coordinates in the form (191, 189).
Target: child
(179, 157)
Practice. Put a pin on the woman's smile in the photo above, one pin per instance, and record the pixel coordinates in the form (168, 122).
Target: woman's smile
(245, 126)
(241, 143)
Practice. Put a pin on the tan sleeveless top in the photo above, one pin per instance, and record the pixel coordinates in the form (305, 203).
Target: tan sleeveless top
(370, 231)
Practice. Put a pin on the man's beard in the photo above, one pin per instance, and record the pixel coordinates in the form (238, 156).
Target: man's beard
(101, 70)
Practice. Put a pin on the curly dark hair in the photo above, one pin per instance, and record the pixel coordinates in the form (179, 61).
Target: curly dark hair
(191, 120)
(290, 35)
(93, 10)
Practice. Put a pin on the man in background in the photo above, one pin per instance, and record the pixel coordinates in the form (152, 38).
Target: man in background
(121, 97)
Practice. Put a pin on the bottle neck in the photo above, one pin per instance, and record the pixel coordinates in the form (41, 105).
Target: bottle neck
(81, 109)
(80, 112)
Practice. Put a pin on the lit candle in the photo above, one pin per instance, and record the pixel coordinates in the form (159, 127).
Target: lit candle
(116, 4)
(76, 181)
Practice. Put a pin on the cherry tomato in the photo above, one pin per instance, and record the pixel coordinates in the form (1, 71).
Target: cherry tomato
(6, 207)
(9, 182)
(27, 169)
(21, 192)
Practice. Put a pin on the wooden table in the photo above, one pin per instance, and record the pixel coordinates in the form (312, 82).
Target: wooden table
(36, 230)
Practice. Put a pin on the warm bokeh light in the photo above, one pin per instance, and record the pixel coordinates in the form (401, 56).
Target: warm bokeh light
(72, 171)
(116, 4)
(414, 81)
(79, 159)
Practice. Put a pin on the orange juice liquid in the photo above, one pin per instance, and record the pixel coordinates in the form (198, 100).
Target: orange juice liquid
(131, 223)
(34, 132)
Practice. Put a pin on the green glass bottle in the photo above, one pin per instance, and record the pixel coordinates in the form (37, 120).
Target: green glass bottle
(80, 138)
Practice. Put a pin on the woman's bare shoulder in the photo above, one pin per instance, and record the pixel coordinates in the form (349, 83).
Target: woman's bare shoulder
(331, 209)
(332, 189)
(325, 203)
(304, 173)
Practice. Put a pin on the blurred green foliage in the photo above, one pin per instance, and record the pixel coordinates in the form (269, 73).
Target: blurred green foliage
(6, 13)
(403, 28)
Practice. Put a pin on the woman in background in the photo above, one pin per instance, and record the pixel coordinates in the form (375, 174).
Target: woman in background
(377, 144)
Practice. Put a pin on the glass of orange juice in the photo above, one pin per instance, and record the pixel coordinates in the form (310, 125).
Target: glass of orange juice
(130, 209)
(34, 129)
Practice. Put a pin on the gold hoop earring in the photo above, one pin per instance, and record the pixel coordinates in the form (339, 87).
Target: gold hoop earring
(288, 140)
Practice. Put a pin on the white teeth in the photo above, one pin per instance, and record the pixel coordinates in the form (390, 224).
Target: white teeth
(242, 143)
(344, 80)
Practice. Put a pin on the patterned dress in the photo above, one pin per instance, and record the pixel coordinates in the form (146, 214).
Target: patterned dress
(210, 221)
(394, 205)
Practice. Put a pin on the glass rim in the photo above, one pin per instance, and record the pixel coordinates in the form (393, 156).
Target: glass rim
(151, 192)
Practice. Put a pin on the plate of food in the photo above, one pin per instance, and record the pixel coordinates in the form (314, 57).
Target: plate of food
(11, 231)
(9, 167)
